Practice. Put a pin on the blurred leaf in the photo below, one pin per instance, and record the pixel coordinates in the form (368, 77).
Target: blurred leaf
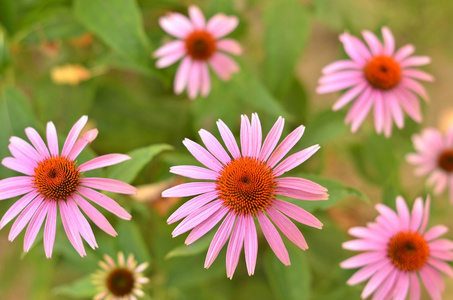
(8, 15)
(324, 127)
(289, 282)
(5, 59)
(80, 288)
(195, 248)
(118, 23)
(287, 29)
(130, 240)
(128, 170)
(43, 277)
(296, 100)
(117, 61)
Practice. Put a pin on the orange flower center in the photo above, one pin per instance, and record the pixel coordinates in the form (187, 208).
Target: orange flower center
(383, 72)
(408, 251)
(246, 185)
(200, 45)
(56, 178)
(120, 282)
(445, 160)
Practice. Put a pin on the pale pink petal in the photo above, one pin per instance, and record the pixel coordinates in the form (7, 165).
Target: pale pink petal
(35, 225)
(223, 65)
(350, 46)
(295, 160)
(228, 139)
(414, 287)
(15, 186)
(26, 148)
(221, 25)
(360, 109)
(182, 75)
(176, 24)
(373, 43)
(83, 226)
(441, 245)
(428, 276)
(170, 48)
(435, 232)
(202, 155)
(425, 216)
(415, 86)
(94, 215)
(363, 259)
(235, 246)
(410, 104)
(285, 146)
(417, 215)
(390, 216)
(272, 139)
(197, 17)
(387, 288)
(404, 52)
(389, 41)
(349, 96)
(418, 74)
(194, 172)
(363, 245)
(368, 234)
(18, 166)
(214, 146)
(111, 185)
(37, 142)
(73, 135)
(50, 228)
(70, 227)
(442, 255)
(395, 109)
(403, 213)
(376, 280)
(414, 61)
(105, 202)
(367, 271)
(194, 84)
(250, 244)
(189, 189)
(169, 59)
(204, 227)
(300, 194)
(379, 112)
(192, 205)
(338, 86)
(220, 238)
(25, 216)
(197, 217)
(341, 65)
(230, 46)
(205, 80)
(23, 156)
(338, 77)
(273, 238)
(441, 266)
(301, 184)
(287, 227)
(16, 208)
(297, 213)
(81, 143)
(52, 139)
(256, 136)
(402, 286)
(103, 161)
(245, 136)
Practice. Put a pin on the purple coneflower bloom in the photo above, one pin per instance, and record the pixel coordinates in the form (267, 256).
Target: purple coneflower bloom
(199, 43)
(377, 76)
(399, 252)
(241, 187)
(435, 157)
(54, 180)
(122, 280)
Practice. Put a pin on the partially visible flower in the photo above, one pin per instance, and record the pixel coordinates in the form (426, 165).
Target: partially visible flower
(199, 44)
(398, 252)
(70, 74)
(82, 41)
(121, 280)
(53, 180)
(377, 76)
(244, 187)
(434, 157)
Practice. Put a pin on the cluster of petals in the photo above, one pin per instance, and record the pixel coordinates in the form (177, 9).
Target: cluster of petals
(434, 157)
(199, 44)
(34, 207)
(387, 280)
(204, 211)
(377, 76)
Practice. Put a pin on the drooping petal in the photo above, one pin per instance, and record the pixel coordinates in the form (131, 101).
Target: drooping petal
(190, 206)
(182, 75)
(287, 227)
(297, 213)
(25, 216)
(50, 228)
(220, 238)
(105, 202)
(94, 215)
(273, 238)
(204, 227)
(223, 65)
(70, 227)
(235, 246)
(17, 207)
(35, 225)
(250, 244)
(81, 143)
(230, 46)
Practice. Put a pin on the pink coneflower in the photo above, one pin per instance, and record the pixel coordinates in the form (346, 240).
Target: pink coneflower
(122, 280)
(199, 43)
(434, 157)
(399, 252)
(55, 180)
(377, 75)
(244, 186)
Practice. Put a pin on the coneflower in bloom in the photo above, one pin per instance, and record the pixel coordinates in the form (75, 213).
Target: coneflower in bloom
(242, 187)
(434, 157)
(53, 181)
(399, 252)
(377, 76)
(199, 43)
(122, 280)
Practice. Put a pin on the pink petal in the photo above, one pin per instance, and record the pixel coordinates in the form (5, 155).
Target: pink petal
(349, 96)
(26, 148)
(295, 160)
(373, 42)
(18, 166)
(105, 202)
(35, 225)
(197, 17)
(417, 74)
(414, 287)
(364, 245)
(301, 184)
(221, 25)
(169, 59)
(37, 142)
(202, 155)
(338, 77)
(387, 288)
(415, 61)
(214, 146)
(82, 224)
(390, 216)
(425, 216)
(360, 109)
(176, 24)
(24, 218)
(435, 232)
(73, 135)
(341, 65)
(416, 87)
(223, 65)
(170, 48)
(16, 208)
(428, 276)
(441, 266)
(50, 228)
(363, 259)
(22, 155)
(285, 146)
(220, 238)
(190, 189)
(108, 184)
(379, 112)
(403, 212)
(192, 205)
(338, 86)
(194, 84)
(376, 280)
(70, 227)
(235, 246)
(395, 109)
(245, 136)
(389, 41)
(371, 234)
(402, 286)
(15, 186)
(205, 80)
(250, 244)
(410, 104)
(297, 213)
(103, 161)
(352, 49)
(230, 46)
(272, 139)
(194, 172)
(441, 245)
(52, 139)
(182, 75)
(228, 139)
(287, 227)
(404, 52)
(417, 215)
(204, 227)
(300, 194)
(81, 143)
(366, 272)
(256, 136)
(273, 238)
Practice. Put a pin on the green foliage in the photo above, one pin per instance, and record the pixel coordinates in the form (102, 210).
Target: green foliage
(82, 288)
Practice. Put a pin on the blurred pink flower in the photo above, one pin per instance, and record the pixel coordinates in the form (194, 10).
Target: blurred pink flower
(435, 157)
(244, 187)
(54, 180)
(377, 75)
(398, 251)
(199, 43)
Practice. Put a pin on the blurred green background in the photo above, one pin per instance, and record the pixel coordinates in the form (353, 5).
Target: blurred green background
(286, 44)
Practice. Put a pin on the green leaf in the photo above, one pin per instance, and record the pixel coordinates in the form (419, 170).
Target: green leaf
(195, 248)
(5, 59)
(130, 240)
(118, 23)
(287, 29)
(289, 282)
(128, 170)
(80, 288)
(324, 127)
